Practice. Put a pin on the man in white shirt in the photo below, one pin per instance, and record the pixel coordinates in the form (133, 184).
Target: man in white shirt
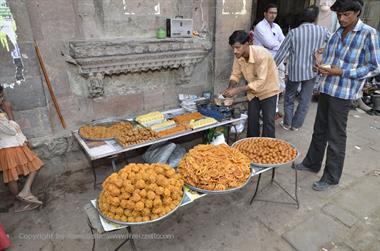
(267, 33)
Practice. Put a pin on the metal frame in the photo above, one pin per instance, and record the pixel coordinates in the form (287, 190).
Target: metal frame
(129, 230)
(273, 181)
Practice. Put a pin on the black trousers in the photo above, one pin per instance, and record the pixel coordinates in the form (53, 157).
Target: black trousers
(329, 129)
(268, 108)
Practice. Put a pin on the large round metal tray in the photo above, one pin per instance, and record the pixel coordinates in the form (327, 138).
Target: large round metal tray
(270, 165)
(124, 223)
(221, 191)
(104, 122)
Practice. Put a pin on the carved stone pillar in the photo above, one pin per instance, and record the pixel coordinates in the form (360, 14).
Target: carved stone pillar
(186, 73)
(95, 85)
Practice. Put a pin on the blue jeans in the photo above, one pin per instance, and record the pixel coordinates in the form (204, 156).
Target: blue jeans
(296, 119)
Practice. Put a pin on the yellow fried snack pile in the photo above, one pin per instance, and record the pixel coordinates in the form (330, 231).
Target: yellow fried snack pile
(212, 167)
(202, 122)
(150, 118)
(102, 132)
(141, 192)
(266, 150)
(163, 126)
(136, 136)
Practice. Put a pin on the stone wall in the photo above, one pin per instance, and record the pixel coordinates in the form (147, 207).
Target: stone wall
(231, 15)
(57, 24)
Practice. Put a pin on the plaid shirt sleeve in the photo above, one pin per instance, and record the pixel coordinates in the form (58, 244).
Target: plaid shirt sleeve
(372, 55)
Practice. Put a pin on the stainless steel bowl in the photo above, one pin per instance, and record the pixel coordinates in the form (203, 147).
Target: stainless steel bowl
(269, 165)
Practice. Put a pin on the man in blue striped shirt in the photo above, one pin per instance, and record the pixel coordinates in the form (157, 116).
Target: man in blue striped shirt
(351, 55)
(300, 44)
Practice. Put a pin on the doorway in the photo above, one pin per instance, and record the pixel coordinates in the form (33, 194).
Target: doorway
(288, 12)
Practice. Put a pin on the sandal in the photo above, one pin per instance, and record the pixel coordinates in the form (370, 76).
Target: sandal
(29, 199)
(27, 207)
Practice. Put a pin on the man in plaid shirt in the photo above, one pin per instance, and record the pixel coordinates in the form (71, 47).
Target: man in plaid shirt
(351, 55)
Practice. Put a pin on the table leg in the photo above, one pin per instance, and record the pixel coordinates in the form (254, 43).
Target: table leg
(113, 161)
(93, 173)
(257, 188)
(126, 159)
(92, 233)
(129, 238)
(296, 185)
(273, 173)
(133, 246)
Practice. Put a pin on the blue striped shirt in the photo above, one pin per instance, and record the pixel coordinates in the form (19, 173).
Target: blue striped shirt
(300, 44)
(358, 55)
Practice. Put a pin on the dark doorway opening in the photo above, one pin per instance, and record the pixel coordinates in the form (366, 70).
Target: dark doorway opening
(288, 12)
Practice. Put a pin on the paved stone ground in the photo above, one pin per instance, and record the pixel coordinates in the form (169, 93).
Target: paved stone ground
(346, 217)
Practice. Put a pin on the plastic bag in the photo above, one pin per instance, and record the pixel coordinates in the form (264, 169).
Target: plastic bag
(218, 140)
(176, 156)
(159, 153)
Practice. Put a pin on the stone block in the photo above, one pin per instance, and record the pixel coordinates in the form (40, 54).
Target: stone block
(361, 199)
(75, 110)
(314, 233)
(58, 21)
(21, 15)
(30, 60)
(118, 106)
(28, 95)
(171, 97)
(34, 122)
(154, 100)
(344, 216)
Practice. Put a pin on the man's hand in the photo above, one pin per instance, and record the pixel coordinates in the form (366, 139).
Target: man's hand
(332, 71)
(230, 92)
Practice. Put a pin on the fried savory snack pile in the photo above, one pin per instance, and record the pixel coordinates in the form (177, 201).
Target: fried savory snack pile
(266, 151)
(141, 192)
(136, 136)
(102, 132)
(215, 168)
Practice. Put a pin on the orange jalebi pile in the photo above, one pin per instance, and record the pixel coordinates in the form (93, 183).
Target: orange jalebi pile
(213, 167)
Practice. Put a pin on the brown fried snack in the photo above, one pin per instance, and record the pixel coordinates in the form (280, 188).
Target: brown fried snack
(103, 132)
(266, 150)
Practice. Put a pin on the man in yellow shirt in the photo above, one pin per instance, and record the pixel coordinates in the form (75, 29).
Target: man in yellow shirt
(256, 65)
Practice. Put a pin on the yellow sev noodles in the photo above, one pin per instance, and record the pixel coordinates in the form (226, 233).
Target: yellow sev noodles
(212, 167)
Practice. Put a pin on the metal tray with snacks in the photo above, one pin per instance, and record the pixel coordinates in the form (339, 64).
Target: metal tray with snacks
(270, 165)
(200, 190)
(124, 223)
(106, 123)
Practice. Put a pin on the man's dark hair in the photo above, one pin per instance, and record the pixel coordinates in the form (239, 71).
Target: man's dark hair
(310, 14)
(238, 36)
(1, 88)
(270, 6)
(347, 5)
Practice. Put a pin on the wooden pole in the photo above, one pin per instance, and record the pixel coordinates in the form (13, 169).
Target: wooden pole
(51, 91)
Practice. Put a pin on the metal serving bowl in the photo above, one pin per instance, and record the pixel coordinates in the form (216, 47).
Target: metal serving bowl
(270, 165)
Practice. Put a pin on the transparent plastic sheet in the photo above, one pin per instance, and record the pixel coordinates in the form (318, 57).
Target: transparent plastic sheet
(159, 153)
(176, 156)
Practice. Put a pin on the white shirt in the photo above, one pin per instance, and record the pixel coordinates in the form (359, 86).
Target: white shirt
(268, 36)
(10, 134)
